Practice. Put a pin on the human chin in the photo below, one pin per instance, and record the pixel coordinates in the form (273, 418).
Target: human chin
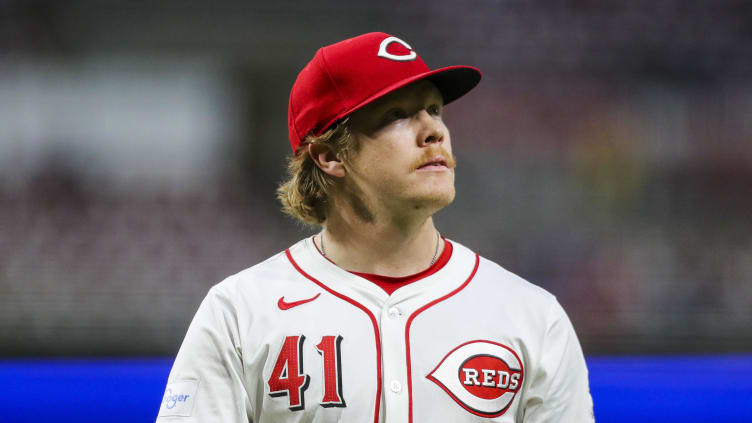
(435, 199)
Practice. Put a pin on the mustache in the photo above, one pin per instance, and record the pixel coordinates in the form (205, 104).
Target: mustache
(430, 154)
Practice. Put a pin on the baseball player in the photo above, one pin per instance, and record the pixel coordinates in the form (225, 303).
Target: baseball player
(377, 318)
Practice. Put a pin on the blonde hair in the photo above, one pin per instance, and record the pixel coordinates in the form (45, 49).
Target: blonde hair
(305, 193)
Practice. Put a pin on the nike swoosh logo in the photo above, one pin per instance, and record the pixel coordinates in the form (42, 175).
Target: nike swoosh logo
(283, 305)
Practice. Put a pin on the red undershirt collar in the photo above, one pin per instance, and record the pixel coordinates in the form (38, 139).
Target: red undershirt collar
(390, 284)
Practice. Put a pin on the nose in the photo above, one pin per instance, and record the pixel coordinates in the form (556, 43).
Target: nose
(432, 130)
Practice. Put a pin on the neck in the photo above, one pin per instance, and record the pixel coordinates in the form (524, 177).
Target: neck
(385, 248)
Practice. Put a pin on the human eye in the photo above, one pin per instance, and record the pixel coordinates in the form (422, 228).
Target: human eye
(395, 114)
(434, 109)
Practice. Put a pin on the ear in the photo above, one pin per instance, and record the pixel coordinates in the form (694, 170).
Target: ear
(326, 160)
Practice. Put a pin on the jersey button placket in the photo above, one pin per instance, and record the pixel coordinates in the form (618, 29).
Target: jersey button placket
(393, 318)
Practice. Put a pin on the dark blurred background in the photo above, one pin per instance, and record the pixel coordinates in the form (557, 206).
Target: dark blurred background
(606, 156)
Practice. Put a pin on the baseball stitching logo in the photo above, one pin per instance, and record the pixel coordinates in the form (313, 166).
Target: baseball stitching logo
(481, 376)
(402, 58)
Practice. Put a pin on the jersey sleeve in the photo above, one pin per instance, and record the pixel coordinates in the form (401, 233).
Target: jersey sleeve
(559, 390)
(206, 383)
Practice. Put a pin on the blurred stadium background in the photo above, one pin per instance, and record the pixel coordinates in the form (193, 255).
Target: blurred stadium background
(606, 156)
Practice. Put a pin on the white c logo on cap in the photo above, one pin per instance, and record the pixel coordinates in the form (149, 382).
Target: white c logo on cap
(383, 53)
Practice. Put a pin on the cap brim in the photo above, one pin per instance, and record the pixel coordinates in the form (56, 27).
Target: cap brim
(452, 82)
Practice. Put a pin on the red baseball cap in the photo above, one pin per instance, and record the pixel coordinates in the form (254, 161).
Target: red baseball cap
(343, 77)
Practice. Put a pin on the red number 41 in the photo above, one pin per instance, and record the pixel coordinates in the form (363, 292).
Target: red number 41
(288, 379)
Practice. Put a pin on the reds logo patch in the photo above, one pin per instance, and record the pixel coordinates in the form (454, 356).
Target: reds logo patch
(399, 55)
(481, 376)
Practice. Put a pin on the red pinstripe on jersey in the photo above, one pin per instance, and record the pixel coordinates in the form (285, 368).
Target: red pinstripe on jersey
(365, 310)
(407, 332)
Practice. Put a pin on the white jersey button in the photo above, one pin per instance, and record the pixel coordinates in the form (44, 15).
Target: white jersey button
(395, 313)
(395, 386)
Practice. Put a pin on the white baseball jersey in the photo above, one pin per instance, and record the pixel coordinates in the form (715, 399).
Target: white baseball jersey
(298, 339)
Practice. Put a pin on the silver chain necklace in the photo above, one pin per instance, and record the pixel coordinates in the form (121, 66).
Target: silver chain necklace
(433, 260)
